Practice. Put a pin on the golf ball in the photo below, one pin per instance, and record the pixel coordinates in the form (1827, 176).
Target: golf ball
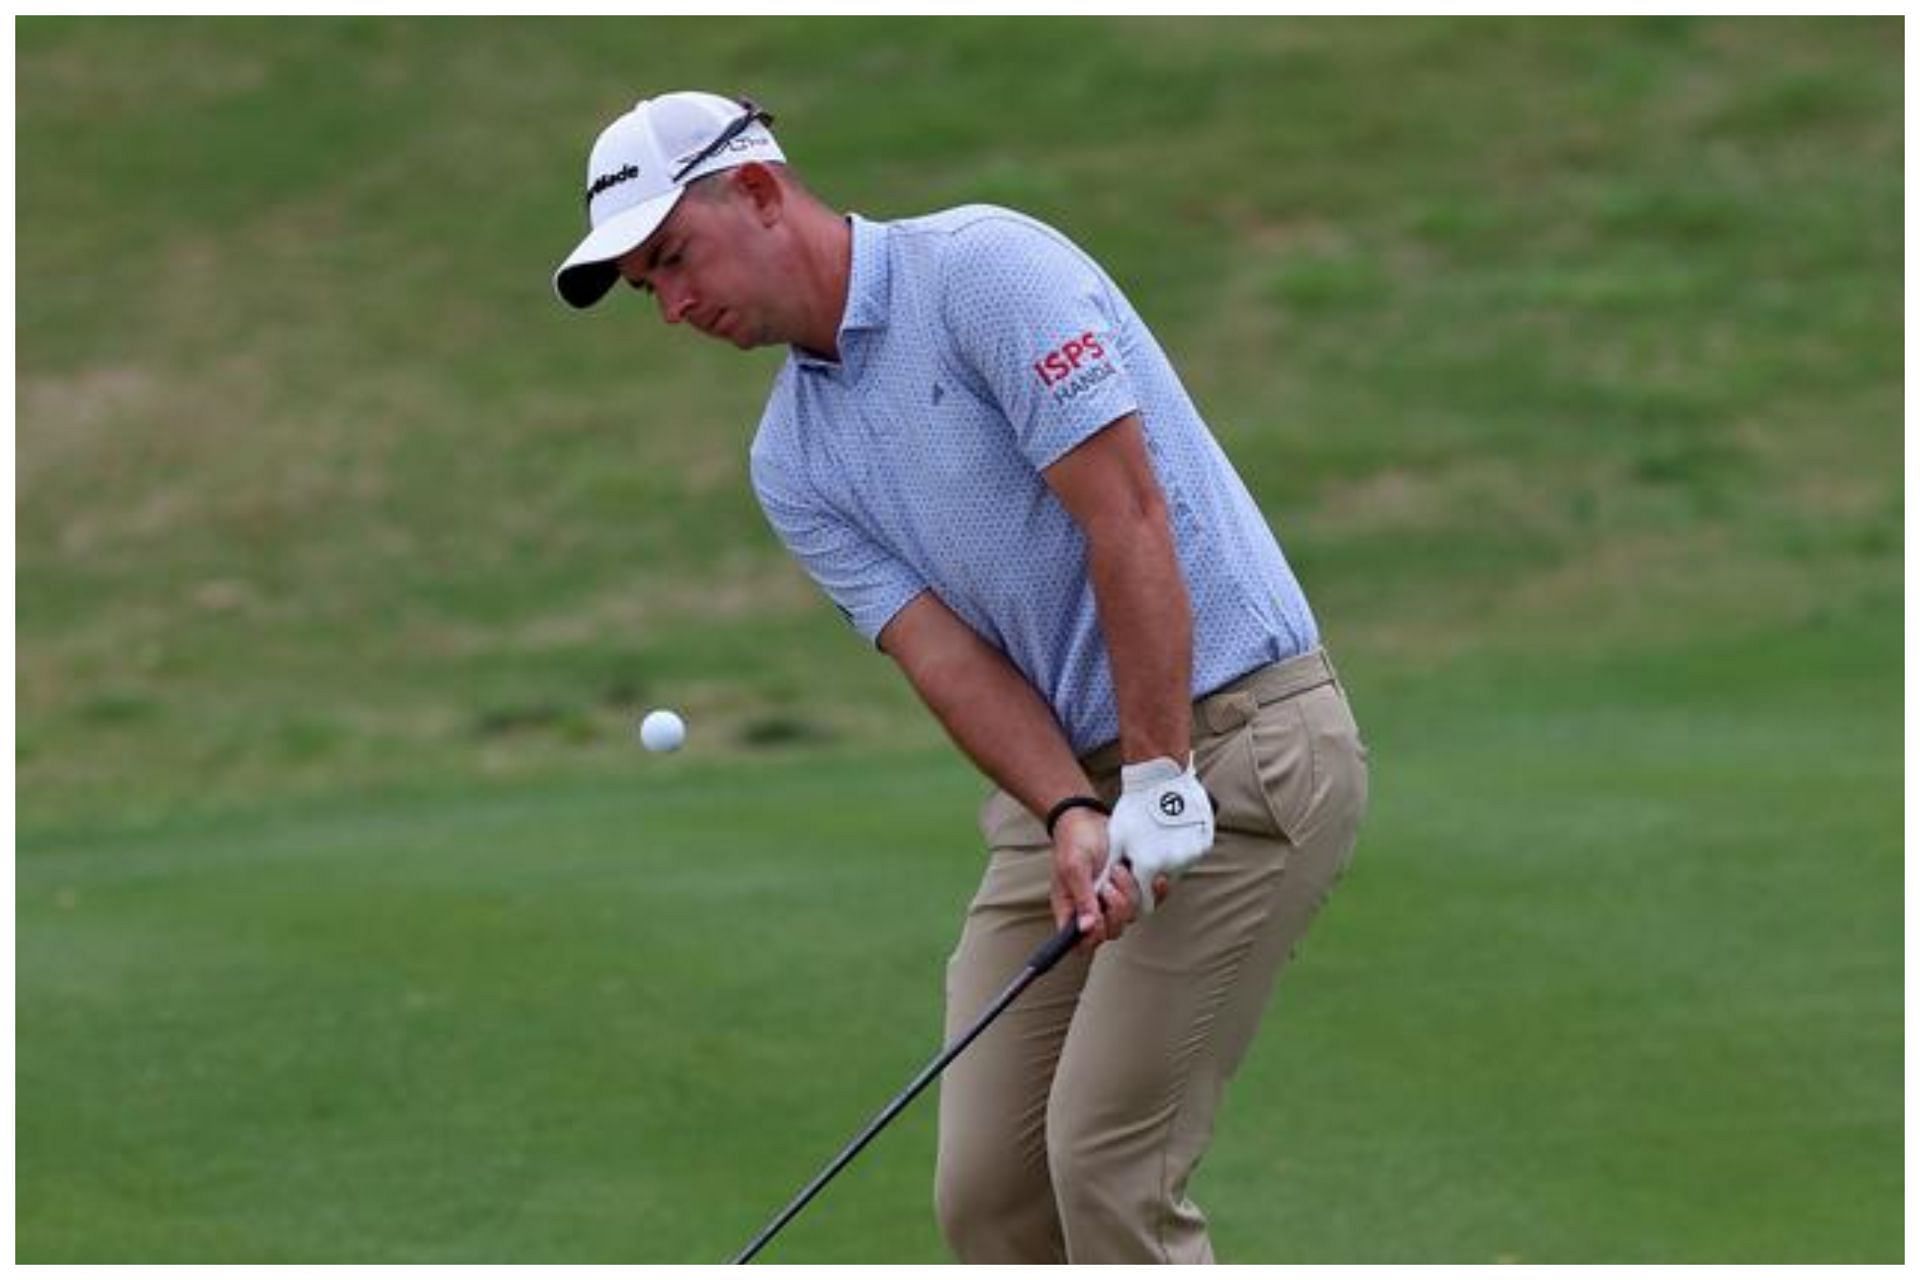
(662, 731)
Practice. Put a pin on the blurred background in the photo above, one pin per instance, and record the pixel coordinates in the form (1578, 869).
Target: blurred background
(351, 925)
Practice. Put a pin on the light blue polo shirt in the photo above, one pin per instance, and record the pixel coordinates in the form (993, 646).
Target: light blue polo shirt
(978, 347)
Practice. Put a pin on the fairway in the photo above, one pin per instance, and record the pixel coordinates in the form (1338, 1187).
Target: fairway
(625, 1021)
(352, 925)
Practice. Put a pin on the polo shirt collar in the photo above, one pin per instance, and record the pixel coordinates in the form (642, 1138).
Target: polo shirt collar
(867, 293)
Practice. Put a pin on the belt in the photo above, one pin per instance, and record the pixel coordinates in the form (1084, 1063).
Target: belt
(1233, 703)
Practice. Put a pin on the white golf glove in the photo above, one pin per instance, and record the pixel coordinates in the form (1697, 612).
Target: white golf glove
(1162, 825)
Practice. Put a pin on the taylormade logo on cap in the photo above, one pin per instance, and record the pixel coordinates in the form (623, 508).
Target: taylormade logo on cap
(630, 179)
(606, 180)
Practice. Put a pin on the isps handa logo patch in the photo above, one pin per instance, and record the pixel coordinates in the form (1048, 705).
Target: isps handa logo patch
(1074, 367)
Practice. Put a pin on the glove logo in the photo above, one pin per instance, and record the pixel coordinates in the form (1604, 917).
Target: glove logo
(1171, 804)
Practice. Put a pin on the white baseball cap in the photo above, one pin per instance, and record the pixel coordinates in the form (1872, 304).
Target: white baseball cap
(640, 165)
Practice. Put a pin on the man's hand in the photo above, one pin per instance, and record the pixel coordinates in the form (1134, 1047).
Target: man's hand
(1163, 823)
(1100, 894)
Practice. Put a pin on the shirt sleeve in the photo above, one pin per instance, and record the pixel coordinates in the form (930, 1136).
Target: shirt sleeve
(1034, 320)
(867, 583)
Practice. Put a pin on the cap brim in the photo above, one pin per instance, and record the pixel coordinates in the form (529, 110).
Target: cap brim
(590, 270)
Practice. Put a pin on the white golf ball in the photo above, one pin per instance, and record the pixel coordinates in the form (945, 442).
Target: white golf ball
(662, 731)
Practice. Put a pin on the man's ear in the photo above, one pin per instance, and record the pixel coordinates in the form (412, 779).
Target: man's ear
(762, 191)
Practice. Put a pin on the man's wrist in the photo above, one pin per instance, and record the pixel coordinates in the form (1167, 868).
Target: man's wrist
(1068, 805)
(1147, 773)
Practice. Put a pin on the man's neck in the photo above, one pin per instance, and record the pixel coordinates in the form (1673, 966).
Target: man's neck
(829, 277)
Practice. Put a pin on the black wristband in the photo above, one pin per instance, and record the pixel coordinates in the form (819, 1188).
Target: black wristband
(1074, 802)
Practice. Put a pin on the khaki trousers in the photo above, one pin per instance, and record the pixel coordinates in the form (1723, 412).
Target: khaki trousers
(1069, 1130)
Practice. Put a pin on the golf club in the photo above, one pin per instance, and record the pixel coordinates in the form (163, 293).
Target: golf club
(1042, 960)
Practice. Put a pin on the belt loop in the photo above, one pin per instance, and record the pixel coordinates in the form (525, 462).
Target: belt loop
(1226, 712)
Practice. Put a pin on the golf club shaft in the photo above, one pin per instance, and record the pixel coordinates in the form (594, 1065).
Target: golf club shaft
(1042, 960)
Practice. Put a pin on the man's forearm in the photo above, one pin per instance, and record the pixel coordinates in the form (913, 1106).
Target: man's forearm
(992, 713)
(1148, 625)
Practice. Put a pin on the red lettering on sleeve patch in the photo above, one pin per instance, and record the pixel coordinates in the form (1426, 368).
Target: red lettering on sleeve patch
(1060, 363)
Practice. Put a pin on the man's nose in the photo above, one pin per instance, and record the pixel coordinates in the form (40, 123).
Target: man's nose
(675, 302)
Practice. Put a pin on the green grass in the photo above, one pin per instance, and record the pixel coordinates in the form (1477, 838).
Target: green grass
(1615, 979)
(1566, 357)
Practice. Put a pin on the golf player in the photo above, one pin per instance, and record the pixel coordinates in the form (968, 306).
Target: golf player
(979, 452)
